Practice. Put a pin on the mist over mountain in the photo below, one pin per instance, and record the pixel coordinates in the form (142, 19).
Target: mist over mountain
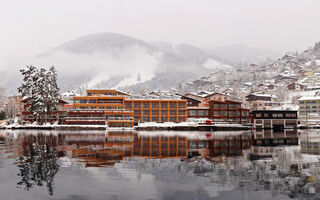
(240, 55)
(112, 60)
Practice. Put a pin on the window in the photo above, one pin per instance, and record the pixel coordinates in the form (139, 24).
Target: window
(173, 105)
(192, 113)
(146, 105)
(83, 100)
(181, 112)
(89, 94)
(201, 113)
(216, 113)
(76, 101)
(201, 144)
(258, 115)
(164, 112)
(173, 112)
(145, 112)
(224, 113)
(92, 101)
(155, 105)
(164, 105)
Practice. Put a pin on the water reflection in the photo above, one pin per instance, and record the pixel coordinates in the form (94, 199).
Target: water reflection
(219, 164)
(37, 161)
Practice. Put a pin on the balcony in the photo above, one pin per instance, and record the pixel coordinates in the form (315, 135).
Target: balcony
(85, 119)
(120, 119)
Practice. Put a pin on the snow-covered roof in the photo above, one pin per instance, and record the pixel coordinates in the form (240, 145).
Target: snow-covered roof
(309, 98)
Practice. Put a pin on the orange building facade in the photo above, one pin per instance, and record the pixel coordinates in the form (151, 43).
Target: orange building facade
(157, 110)
(100, 107)
(116, 109)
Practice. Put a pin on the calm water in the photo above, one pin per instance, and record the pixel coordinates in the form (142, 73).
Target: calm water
(159, 165)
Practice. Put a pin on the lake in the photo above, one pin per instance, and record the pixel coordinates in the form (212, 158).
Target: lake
(121, 165)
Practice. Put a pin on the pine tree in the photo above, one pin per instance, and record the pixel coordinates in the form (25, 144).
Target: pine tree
(3, 98)
(28, 87)
(41, 87)
(53, 92)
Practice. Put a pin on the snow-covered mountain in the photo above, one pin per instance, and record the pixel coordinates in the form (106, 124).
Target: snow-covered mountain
(112, 60)
(241, 54)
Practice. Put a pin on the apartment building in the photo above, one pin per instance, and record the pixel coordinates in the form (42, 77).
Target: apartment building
(309, 109)
(275, 119)
(228, 111)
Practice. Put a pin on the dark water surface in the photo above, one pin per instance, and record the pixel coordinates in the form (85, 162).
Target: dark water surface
(158, 165)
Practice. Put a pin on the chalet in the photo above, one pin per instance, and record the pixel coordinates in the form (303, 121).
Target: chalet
(285, 79)
(295, 87)
(255, 97)
(191, 102)
(260, 101)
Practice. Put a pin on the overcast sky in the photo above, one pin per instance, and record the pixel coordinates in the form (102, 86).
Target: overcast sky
(34, 26)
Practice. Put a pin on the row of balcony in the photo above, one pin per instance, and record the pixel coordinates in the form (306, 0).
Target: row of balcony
(99, 119)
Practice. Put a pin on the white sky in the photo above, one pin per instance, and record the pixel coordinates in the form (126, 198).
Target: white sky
(29, 27)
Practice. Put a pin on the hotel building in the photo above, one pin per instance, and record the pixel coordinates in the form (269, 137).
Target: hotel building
(100, 107)
(118, 109)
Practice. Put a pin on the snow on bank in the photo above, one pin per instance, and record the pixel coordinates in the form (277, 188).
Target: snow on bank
(167, 124)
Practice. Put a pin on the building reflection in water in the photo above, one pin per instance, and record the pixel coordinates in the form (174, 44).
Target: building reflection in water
(98, 150)
(265, 142)
(310, 141)
(266, 160)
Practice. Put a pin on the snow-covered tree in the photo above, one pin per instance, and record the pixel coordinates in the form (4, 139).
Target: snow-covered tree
(53, 90)
(3, 98)
(41, 88)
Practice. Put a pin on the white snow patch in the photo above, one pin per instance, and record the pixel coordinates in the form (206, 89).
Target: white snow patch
(215, 65)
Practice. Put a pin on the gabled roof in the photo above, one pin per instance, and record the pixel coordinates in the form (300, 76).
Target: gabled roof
(216, 93)
(188, 97)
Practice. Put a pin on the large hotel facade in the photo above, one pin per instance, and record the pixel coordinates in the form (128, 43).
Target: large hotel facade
(118, 109)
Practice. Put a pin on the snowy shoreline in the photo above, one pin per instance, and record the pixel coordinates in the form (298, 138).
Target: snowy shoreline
(183, 126)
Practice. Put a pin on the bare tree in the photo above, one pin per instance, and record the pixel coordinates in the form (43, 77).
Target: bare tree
(3, 98)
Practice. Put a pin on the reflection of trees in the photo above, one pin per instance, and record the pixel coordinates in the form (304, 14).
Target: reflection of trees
(38, 162)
